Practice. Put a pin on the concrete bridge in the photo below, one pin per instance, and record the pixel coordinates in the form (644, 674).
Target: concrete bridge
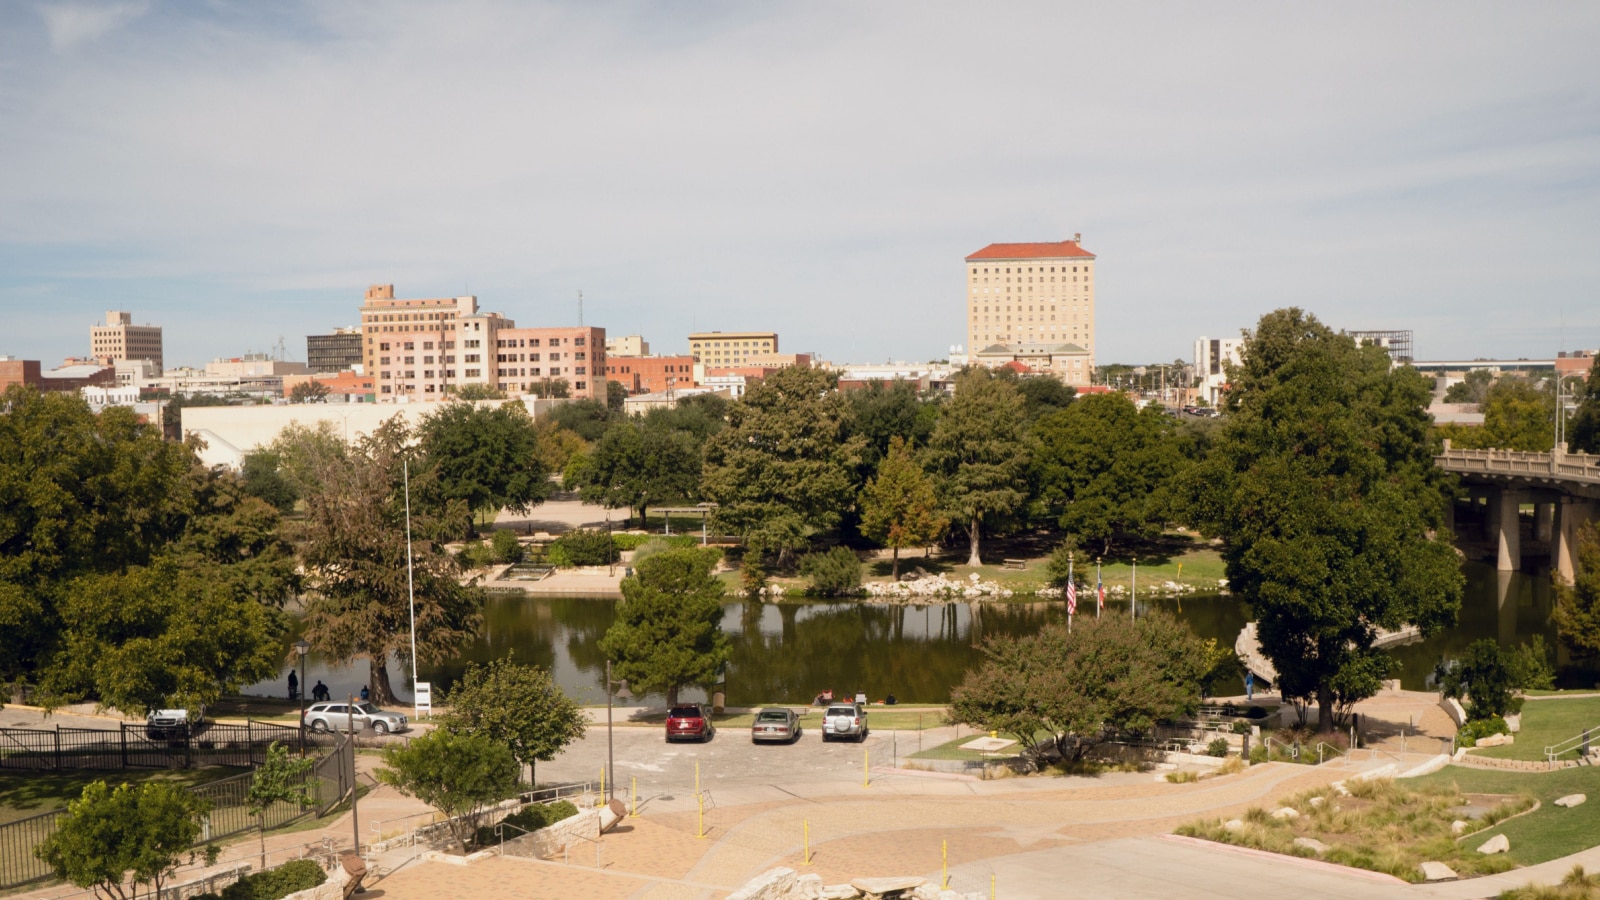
(1560, 489)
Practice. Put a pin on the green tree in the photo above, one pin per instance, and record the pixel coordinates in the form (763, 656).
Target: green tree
(636, 463)
(308, 392)
(782, 470)
(520, 707)
(1583, 428)
(1481, 674)
(280, 778)
(979, 453)
(1577, 609)
(1043, 395)
(460, 775)
(883, 411)
(303, 452)
(485, 457)
(836, 573)
(899, 507)
(701, 415)
(1105, 676)
(1104, 466)
(1473, 388)
(557, 446)
(616, 395)
(550, 388)
(474, 392)
(588, 419)
(112, 841)
(1529, 666)
(1518, 415)
(262, 478)
(1323, 487)
(668, 631)
(353, 546)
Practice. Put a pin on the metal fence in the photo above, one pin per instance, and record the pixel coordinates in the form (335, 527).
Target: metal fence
(329, 780)
(132, 746)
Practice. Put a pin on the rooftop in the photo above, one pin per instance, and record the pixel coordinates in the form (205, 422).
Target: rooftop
(1058, 250)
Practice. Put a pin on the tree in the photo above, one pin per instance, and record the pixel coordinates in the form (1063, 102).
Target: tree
(1103, 466)
(473, 392)
(668, 631)
(1518, 415)
(616, 395)
(460, 775)
(899, 507)
(979, 453)
(1043, 395)
(280, 778)
(1323, 487)
(883, 411)
(557, 446)
(109, 838)
(550, 388)
(520, 707)
(636, 463)
(1473, 389)
(353, 547)
(485, 457)
(587, 419)
(1482, 676)
(1106, 676)
(262, 478)
(1577, 609)
(782, 469)
(836, 573)
(1583, 429)
(308, 392)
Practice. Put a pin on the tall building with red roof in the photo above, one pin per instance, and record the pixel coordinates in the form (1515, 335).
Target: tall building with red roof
(1034, 297)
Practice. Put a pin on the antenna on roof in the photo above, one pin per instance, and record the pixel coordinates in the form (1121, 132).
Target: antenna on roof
(580, 308)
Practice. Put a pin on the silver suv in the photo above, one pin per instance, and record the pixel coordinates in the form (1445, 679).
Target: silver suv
(844, 720)
(342, 716)
(162, 724)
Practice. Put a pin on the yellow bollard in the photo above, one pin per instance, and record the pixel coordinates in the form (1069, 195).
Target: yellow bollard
(635, 813)
(944, 865)
(700, 819)
(807, 824)
(697, 776)
(991, 886)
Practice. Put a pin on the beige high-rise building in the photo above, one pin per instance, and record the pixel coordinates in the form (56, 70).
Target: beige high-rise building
(426, 349)
(719, 349)
(119, 340)
(1021, 296)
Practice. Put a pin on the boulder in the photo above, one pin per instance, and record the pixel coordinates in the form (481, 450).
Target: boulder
(1312, 844)
(768, 883)
(806, 887)
(1316, 802)
(1497, 844)
(1234, 824)
(1437, 871)
(928, 891)
(839, 892)
(1493, 740)
(1571, 800)
(1286, 812)
(1458, 827)
(1513, 722)
(872, 888)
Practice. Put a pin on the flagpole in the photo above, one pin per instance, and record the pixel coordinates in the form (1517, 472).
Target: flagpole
(1133, 605)
(1072, 594)
(1099, 589)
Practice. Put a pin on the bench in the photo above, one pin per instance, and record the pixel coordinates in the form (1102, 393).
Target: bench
(1014, 563)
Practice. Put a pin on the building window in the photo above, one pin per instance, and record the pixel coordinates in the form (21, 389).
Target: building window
(579, 342)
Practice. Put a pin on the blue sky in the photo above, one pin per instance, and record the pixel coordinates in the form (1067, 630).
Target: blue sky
(239, 171)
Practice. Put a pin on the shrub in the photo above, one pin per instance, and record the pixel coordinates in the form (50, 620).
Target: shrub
(656, 543)
(836, 573)
(1218, 747)
(506, 547)
(1241, 728)
(583, 547)
(289, 878)
(1477, 729)
(1182, 777)
(476, 555)
(1529, 665)
(529, 818)
(1258, 754)
(1256, 712)
(1060, 565)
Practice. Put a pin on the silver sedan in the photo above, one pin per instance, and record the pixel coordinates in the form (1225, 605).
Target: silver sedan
(775, 725)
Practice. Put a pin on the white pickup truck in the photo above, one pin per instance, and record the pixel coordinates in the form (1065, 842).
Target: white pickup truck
(844, 720)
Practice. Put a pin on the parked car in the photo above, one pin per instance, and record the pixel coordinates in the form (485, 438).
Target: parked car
(322, 717)
(775, 725)
(844, 720)
(167, 724)
(689, 721)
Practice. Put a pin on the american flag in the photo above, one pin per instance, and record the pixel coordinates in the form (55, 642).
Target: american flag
(1100, 588)
(1072, 598)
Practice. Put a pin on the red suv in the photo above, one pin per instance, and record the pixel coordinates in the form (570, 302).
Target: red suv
(689, 720)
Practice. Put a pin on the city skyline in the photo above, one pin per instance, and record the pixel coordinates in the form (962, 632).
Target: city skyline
(233, 173)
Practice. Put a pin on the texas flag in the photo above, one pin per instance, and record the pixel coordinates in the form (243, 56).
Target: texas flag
(1100, 588)
(1072, 598)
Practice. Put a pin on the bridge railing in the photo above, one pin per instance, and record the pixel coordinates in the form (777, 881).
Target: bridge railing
(1574, 466)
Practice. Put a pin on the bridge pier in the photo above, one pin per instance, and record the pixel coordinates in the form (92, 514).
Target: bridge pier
(1544, 519)
(1505, 516)
(1571, 515)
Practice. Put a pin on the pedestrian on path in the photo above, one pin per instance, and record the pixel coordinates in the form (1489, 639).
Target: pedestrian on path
(294, 686)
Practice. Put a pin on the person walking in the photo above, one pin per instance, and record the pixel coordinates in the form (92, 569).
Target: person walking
(365, 693)
(294, 686)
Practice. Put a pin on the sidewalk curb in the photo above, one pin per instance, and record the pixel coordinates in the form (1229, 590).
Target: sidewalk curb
(1286, 859)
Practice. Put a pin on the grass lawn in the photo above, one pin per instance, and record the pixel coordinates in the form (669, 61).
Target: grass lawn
(952, 749)
(1547, 833)
(24, 793)
(1549, 722)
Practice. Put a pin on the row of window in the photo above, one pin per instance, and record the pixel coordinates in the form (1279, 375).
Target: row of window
(698, 344)
(1020, 269)
(426, 360)
(408, 317)
(628, 370)
(426, 345)
(509, 343)
(534, 372)
(534, 357)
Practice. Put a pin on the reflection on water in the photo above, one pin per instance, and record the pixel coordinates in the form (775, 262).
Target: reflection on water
(787, 652)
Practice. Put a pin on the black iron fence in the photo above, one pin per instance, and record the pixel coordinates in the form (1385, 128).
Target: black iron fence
(330, 781)
(133, 746)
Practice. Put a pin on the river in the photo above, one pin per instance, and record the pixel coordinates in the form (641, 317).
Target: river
(788, 651)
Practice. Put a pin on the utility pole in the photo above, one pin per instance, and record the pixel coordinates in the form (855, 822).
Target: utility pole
(580, 308)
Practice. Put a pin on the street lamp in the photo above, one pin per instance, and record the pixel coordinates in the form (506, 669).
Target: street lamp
(1561, 408)
(300, 648)
(624, 695)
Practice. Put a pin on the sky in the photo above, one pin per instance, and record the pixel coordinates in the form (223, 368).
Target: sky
(239, 172)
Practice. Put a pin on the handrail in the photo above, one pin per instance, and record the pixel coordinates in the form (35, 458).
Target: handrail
(1552, 751)
(1325, 744)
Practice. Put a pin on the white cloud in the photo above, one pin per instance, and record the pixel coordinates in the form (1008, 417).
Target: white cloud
(72, 24)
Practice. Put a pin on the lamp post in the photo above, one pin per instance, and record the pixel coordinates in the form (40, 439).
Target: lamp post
(300, 648)
(624, 695)
(1561, 408)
